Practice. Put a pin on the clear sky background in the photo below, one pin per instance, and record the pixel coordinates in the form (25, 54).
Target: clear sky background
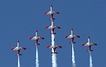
(19, 19)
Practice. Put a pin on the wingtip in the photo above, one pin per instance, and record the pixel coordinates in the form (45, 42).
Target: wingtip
(30, 38)
(60, 46)
(12, 48)
(65, 36)
(78, 36)
(48, 46)
(42, 37)
(83, 44)
(73, 42)
(24, 48)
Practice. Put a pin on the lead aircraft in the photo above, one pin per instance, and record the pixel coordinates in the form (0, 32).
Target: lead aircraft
(89, 44)
(18, 48)
(51, 12)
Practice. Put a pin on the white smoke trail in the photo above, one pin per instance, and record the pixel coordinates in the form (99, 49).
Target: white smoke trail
(37, 58)
(18, 61)
(73, 57)
(54, 56)
(54, 62)
(90, 56)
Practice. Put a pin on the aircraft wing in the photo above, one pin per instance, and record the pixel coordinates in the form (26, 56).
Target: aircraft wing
(13, 49)
(68, 36)
(48, 27)
(56, 12)
(77, 36)
(46, 13)
(49, 46)
(22, 48)
(32, 38)
(93, 44)
(41, 38)
(58, 27)
(59, 46)
(84, 45)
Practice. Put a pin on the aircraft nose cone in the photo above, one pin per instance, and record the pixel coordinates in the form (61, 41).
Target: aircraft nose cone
(18, 41)
(51, 6)
(36, 30)
(88, 36)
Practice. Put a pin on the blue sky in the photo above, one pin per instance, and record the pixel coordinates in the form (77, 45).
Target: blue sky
(20, 18)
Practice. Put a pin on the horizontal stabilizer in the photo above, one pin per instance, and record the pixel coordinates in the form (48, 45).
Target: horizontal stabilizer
(54, 52)
(56, 12)
(18, 54)
(52, 33)
(52, 18)
(89, 50)
(72, 42)
(36, 44)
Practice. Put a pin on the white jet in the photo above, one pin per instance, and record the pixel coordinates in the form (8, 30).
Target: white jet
(36, 38)
(72, 36)
(18, 48)
(52, 27)
(89, 44)
(54, 47)
(51, 12)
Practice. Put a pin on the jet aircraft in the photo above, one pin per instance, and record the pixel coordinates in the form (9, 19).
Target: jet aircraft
(36, 38)
(89, 44)
(51, 12)
(72, 36)
(52, 27)
(18, 48)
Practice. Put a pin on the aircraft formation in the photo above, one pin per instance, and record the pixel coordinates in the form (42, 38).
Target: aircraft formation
(53, 45)
(52, 28)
